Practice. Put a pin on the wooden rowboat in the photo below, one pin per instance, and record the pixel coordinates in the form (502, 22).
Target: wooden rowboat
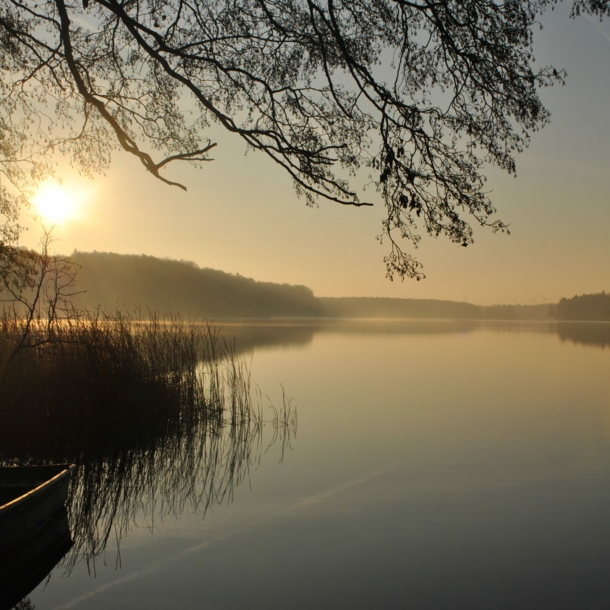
(29, 497)
(34, 530)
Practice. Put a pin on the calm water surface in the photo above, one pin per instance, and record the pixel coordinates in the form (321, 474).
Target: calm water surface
(436, 466)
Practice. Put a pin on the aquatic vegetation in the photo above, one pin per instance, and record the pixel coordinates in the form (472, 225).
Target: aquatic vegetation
(94, 378)
(158, 415)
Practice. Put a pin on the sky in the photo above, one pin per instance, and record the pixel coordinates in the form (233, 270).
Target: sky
(241, 215)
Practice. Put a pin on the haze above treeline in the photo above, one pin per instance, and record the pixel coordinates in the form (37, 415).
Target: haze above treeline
(110, 281)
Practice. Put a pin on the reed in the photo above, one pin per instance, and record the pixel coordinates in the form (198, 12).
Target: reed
(158, 416)
(284, 424)
(94, 378)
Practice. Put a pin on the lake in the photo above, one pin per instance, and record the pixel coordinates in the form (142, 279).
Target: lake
(433, 465)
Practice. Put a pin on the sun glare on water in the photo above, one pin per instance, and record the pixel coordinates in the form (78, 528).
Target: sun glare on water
(56, 204)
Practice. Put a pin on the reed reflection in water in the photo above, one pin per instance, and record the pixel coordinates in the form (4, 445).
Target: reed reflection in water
(159, 417)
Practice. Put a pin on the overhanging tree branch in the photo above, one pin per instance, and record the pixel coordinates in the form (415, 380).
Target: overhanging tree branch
(415, 96)
(127, 143)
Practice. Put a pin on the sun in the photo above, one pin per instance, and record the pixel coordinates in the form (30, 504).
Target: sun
(56, 204)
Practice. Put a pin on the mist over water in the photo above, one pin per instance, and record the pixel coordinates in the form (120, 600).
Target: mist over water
(436, 465)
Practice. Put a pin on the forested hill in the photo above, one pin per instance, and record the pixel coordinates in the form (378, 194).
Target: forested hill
(371, 307)
(163, 285)
(584, 307)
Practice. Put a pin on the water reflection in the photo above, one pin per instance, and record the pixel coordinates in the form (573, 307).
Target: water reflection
(176, 460)
(193, 469)
(442, 465)
(585, 333)
(249, 335)
(31, 562)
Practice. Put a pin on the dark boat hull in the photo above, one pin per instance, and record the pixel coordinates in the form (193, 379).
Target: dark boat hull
(34, 530)
(22, 517)
(23, 569)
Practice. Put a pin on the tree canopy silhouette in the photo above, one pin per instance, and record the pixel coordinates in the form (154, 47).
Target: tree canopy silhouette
(418, 94)
(593, 307)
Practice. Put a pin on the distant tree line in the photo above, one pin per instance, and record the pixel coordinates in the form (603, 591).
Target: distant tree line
(112, 281)
(115, 280)
(370, 307)
(594, 307)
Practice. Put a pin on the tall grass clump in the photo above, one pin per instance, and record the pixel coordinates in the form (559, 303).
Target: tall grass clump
(158, 415)
(90, 379)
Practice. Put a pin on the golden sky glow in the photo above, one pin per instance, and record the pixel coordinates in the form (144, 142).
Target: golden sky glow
(241, 214)
(56, 204)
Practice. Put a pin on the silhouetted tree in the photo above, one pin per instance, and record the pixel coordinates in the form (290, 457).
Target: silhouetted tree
(36, 290)
(595, 307)
(420, 93)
